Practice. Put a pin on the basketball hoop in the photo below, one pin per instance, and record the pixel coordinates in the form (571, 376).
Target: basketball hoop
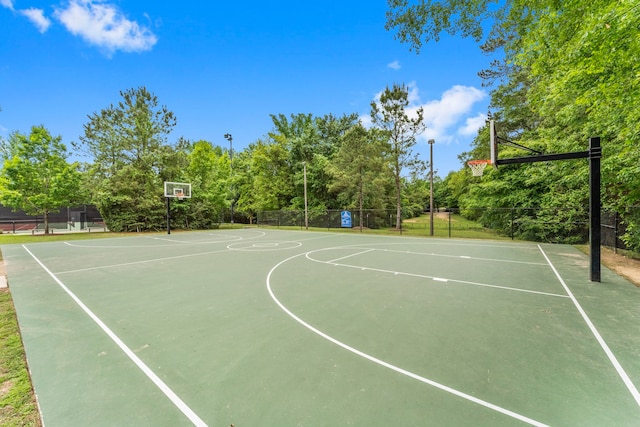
(180, 196)
(477, 166)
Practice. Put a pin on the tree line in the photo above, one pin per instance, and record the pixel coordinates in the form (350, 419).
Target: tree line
(346, 165)
(564, 71)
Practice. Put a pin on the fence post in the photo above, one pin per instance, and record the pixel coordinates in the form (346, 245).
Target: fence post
(512, 220)
(615, 232)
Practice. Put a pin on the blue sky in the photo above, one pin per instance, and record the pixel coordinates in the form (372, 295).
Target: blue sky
(224, 67)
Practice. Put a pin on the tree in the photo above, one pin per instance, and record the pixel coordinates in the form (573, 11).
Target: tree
(310, 141)
(128, 144)
(330, 130)
(273, 186)
(208, 172)
(569, 71)
(427, 20)
(360, 170)
(392, 116)
(243, 179)
(38, 179)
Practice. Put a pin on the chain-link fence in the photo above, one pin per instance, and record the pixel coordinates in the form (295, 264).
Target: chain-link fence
(78, 218)
(554, 225)
(621, 230)
(371, 219)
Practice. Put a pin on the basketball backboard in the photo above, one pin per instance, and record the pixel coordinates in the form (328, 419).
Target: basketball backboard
(180, 190)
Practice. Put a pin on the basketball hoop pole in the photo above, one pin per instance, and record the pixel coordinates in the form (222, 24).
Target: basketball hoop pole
(595, 232)
(594, 154)
(431, 142)
(168, 215)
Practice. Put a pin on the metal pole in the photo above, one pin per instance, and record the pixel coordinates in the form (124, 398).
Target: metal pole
(306, 207)
(168, 215)
(595, 233)
(512, 221)
(230, 139)
(615, 233)
(431, 142)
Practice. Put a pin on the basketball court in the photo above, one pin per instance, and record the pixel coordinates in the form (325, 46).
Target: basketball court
(262, 327)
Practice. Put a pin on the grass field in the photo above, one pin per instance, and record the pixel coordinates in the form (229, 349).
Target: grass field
(445, 225)
(17, 402)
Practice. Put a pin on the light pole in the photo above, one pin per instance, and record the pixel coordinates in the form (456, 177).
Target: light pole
(229, 138)
(431, 142)
(306, 206)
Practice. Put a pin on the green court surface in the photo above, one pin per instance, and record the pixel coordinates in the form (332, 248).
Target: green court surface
(259, 327)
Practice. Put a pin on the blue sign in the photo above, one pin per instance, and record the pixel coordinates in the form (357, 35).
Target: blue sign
(346, 219)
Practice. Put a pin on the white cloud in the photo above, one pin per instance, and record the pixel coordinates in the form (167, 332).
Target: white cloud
(445, 117)
(472, 124)
(414, 93)
(7, 3)
(395, 65)
(36, 16)
(103, 25)
(365, 120)
(442, 114)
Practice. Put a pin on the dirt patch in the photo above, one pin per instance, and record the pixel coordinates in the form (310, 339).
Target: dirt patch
(5, 387)
(629, 268)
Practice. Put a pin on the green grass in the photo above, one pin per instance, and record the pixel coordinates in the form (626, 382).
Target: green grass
(22, 238)
(443, 227)
(448, 226)
(17, 402)
(7, 239)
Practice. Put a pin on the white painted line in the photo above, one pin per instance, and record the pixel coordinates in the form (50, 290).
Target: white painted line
(467, 257)
(185, 242)
(621, 372)
(389, 365)
(438, 279)
(320, 235)
(349, 256)
(134, 358)
(166, 240)
(126, 264)
(506, 288)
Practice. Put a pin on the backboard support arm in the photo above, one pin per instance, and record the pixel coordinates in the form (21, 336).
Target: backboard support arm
(594, 154)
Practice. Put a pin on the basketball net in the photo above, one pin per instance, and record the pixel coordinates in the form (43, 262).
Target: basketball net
(477, 166)
(180, 196)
